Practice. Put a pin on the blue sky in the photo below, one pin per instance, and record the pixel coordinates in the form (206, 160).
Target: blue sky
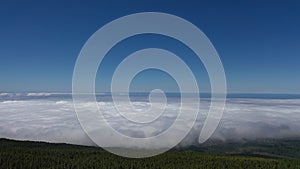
(258, 43)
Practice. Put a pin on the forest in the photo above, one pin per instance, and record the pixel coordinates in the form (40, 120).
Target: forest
(39, 155)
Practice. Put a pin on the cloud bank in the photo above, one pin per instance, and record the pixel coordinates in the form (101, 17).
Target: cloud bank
(55, 120)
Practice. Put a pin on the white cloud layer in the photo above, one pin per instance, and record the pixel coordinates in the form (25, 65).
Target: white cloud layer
(56, 121)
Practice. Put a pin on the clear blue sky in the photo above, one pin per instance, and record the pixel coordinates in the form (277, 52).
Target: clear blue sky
(258, 42)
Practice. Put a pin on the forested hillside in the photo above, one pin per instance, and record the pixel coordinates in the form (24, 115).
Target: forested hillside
(31, 155)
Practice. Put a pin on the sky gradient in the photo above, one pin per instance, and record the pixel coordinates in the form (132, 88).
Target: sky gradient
(258, 43)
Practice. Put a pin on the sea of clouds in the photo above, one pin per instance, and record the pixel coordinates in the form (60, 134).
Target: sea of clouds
(51, 117)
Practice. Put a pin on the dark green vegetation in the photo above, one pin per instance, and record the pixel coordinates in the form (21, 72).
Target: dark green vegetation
(27, 155)
(267, 148)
